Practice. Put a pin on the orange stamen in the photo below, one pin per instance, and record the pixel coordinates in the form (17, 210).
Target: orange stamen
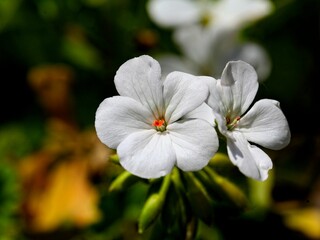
(158, 123)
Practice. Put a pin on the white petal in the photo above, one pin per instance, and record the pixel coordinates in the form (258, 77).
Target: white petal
(118, 116)
(257, 57)
(237, 13)
(147, 154)
(173, 13)
(250, 160)
(203, 112)
(224, 43)
(217, 105)
(266, 125)
(229, 48)
(195, 142)
(238, 87)
(196, 42)
(213, 100)
(183, 93)
(140, 79)
(170, 63)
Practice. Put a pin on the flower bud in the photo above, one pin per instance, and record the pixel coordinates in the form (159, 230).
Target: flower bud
(153, 205)
(123, 181)
(219, 159)
(226, 189)
(199, 199)
(180, 201)
(114, 158)
(172, 212)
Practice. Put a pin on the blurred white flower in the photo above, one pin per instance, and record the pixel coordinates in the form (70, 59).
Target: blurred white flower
(155, 125)
(208, 14)
(198, 23)
(222, 51)
(206, 32)
(264, 124)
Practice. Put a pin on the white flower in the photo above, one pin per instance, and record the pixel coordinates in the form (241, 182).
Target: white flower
(210, 14)
(264, 124)
(198, 24)
(222, 52)
(153, 124)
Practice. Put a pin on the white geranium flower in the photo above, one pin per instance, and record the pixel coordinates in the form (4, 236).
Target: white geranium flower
(210, 14)
(198, 24)
(155, 124)
(264, 124)
(222, 51)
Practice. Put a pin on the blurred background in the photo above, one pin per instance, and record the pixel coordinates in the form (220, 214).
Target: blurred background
(58, 59)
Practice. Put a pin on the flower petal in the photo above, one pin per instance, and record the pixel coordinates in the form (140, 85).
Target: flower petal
(266, 125)
(237, 87)
(214, 101)
(203, 112)
(118, 116)
(147, 154)
(170, 63)
(250, 160)
(237, 13)
(197, 43)
(183, 93)
(256, 56)
(140, 79)
(194, 141)
(173, 13)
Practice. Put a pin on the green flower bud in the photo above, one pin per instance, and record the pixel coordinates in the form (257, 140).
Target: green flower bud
(153, 205)
(219, 158)
(199, 199)
(150, 211)
(176, 214)
(123, 181)
(226, 189)
(114, 158)
(171, 215)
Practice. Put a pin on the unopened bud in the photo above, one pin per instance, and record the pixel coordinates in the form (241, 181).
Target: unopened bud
(153, 206)
(123, 181)
(199, 199)
(226, 189)
(219, 159)
(114, 158)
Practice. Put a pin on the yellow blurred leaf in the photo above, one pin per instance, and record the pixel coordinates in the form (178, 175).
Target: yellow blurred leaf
(68, 198)
(305, 220)
(56, 179)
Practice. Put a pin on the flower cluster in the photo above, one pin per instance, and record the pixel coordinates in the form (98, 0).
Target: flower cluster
(208, 34)
(156, 124)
